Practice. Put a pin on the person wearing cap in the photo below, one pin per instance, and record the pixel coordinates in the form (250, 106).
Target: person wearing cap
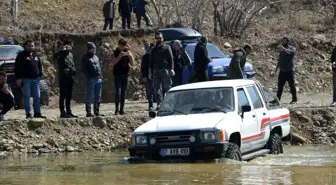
(144, 73)
(66, 78)
(286, 66)
(161, 68)
(179, 63)
(121, 61)
(201, 60)
(237, 63)
(92, 71)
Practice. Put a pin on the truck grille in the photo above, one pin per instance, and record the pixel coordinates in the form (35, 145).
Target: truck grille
(171, 138)
(8, 67)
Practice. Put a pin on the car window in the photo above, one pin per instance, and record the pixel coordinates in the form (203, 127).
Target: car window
(255, 98)
(213, 51)
(242, 99)
(9, 51)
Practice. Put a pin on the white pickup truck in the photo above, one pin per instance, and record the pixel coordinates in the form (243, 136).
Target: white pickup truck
(229, 118)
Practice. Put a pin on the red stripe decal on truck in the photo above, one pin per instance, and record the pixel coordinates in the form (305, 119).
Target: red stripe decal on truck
(263, 126)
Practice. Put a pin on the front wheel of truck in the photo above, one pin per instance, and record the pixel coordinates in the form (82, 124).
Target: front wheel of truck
(233, 152)
(274, 144)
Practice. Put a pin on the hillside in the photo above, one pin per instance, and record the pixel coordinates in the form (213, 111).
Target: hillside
(307, 23)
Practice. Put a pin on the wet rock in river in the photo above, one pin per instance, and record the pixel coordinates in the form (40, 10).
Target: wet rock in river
(70, 149)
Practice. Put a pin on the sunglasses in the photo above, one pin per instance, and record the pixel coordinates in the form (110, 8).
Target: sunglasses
(157, 38)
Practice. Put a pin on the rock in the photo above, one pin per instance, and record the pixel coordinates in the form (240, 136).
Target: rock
(70, 149)
(99, 122)
(304, 119)
(61, 150)
(10, 142)
(3, 142)
(20, 146)
(51, 141)
(35, 123)
(303, 45)
(227, 45)
(296, 138)
(38, 146)
(43, 150)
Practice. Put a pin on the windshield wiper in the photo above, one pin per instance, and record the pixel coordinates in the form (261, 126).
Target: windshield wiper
(174, 111)
(210, 108)
(217, 57)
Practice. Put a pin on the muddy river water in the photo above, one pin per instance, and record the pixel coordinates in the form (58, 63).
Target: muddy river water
(308, 165)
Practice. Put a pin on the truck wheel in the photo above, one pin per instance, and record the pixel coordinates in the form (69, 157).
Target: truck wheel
(274, 144)
(44, 92)
(233, 152)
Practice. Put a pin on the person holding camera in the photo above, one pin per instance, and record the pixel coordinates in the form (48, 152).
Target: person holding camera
(6, 96)
(121, 60)
(66, 77)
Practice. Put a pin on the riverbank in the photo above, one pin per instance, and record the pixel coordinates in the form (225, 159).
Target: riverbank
(108, 133)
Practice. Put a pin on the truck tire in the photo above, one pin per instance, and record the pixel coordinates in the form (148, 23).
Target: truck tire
(233, 152)
(44, 92)
(274, 144)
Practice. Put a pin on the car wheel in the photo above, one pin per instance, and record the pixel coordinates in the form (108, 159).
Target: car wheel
(233, 152)
(274, 144)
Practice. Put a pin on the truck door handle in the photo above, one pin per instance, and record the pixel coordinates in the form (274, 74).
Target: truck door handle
(264, 113)
(253, 115)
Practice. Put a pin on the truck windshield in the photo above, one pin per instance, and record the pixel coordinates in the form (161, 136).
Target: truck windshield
(9, 51)
(213, 51)
(196, 101)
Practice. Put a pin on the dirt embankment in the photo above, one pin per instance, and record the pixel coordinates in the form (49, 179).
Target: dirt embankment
(54, 135)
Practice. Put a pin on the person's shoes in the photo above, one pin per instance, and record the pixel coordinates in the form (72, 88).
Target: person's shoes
(333, 104)
(39, 115)
(150, 108)
(89, 115)
(293, 102)
(29, 116)
(116, 112)
(72, 115)
(121, 112)
(96, 110)
(64, 115)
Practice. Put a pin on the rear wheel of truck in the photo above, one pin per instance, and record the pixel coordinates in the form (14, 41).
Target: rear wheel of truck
(274, 144)
(233, 152)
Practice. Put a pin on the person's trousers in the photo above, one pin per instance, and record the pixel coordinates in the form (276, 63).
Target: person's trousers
(108, 22)
(126, 19)
(177, 79)
(7, 102)
(66, 87)
(201, 75)
(149, 92)
(31, 88)
(161, 78)
(139, 16)
(120, 85)
(334, 86)
(95, 86)
(282, 79)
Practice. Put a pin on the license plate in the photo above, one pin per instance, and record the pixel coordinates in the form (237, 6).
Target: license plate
(174, 152)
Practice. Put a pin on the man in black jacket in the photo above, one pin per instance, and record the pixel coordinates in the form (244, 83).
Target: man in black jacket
(6, 96)
(201, 60)
(140, 11)
(108, 11)
(145, 73)
(66, 77)
(92, 71)
(161, 68)
(28, 71)
(125, 10)
(333, 65)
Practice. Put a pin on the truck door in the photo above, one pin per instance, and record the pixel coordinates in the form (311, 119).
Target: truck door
(262, 114)
(248, 128)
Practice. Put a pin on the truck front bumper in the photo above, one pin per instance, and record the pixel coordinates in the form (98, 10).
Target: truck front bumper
(196, 151)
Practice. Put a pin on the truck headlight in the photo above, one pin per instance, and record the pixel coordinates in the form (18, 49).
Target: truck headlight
(218, 69)
(141, 140)
(209, 136)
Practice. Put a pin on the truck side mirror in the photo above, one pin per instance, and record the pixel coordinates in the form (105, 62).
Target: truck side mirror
(152, 114)
(245, 108)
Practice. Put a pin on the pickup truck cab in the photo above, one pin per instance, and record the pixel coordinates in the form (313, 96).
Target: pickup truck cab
(208, 120)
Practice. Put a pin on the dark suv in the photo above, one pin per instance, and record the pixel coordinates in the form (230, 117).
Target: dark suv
(8, 55)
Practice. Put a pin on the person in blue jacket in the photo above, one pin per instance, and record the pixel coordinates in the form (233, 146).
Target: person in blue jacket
(140, 11)
(144, 73)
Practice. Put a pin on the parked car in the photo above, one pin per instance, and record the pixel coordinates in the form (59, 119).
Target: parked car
(217, 69)
(8, 55)
(209, 120)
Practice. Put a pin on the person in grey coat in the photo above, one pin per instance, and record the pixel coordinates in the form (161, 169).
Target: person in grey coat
(93, 74)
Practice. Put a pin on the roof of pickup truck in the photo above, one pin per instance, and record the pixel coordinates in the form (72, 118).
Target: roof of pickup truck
(213, 84)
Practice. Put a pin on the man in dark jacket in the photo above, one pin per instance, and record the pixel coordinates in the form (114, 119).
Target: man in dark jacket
(286, 66)
(125, 10)
(108, 11)
(28, 71)
(140, 11)
(6, 96)
(333, 65)
(92, 71)
(179, 63)
(161, 68)
(145, 73)
(201, 60)
(237, 63)
(66, 77)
